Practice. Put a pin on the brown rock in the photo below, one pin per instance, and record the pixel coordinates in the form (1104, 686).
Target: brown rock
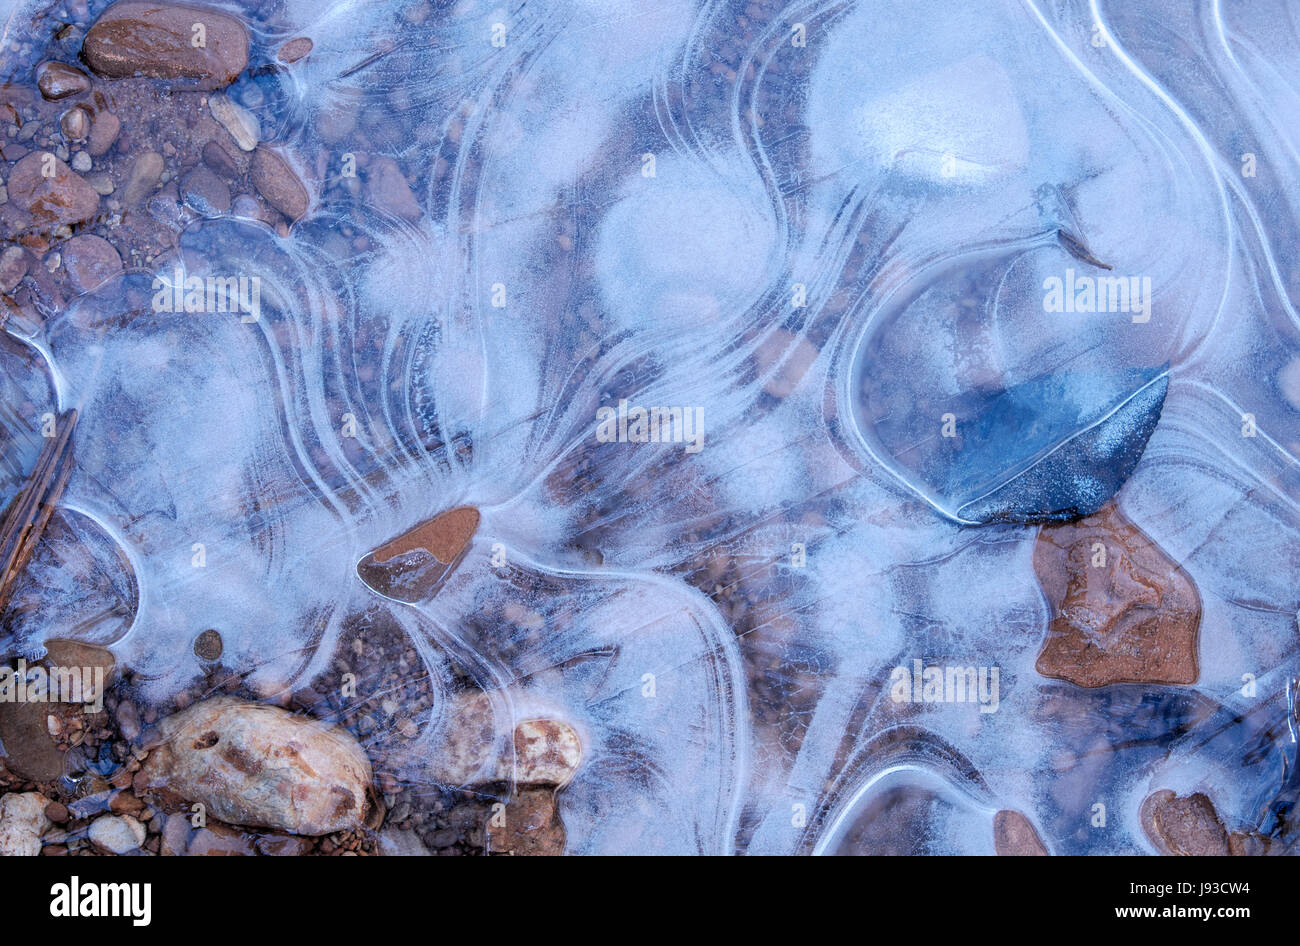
(146, 170)
(208, 645)
(1122, 611)
(125, 803)
(295, 49)
(58, 80)
(30, 750)
(278, 184)
(387, 188)
(528, 827)
(75, 123)
(261, 766)
(57, 812)
(417, 563)
(1183, 826)
(103, 133)
(1014, 836)
(63, 197)
(161, 40)
(90, 261)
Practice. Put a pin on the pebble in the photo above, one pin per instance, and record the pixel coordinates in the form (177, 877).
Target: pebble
(261, 766)
(22, 822)
(75, 124)
(219, 159)
(146, 171)
(103, 133)
(239, 121)
(152, 39)
(57, 812)
(547, 752)
(116, 834)
(102, 183)
(29, 749)
(295, 49)
(81, 162)
(208, 645)
(278, 184)
(91, 261)
(58, 80)
(62, 198)
(471, 752)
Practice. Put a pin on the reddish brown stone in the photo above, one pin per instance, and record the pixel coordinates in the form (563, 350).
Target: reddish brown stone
(158, 40)
(1122, 611)
(63, 197)
(1014, 836)
(1184, 826)
(415, 565)
(58, 80)
(528, 827)
(278, 184)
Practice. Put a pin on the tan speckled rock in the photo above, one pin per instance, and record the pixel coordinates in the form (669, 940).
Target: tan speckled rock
(22, 821)
(475, 750)
(261, 766)
(116, 834)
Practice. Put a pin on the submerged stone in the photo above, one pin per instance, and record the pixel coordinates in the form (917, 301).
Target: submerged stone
(1122, 611)
(415, 565)
(1075, 468)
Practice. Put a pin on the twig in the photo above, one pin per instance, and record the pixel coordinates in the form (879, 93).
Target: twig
(29, 512)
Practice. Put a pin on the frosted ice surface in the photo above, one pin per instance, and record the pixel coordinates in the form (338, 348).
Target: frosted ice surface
(827, 230)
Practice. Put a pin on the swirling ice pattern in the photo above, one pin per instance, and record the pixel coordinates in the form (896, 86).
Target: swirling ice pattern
(902, 160)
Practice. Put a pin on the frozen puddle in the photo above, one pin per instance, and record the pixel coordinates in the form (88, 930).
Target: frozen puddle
(697, 428)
